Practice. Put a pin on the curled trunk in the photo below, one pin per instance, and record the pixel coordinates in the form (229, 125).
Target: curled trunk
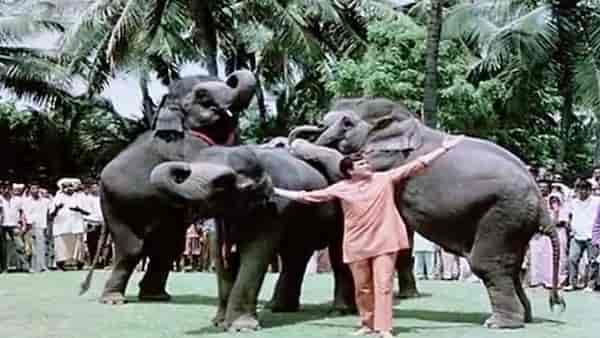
(298, 132)
(190, 182)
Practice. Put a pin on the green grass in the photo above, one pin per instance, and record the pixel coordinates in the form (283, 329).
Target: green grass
(47, 305)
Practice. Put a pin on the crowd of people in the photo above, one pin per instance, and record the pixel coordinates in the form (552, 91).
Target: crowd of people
(40, 231)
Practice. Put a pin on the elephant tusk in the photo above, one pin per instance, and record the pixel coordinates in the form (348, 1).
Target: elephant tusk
(228, 112)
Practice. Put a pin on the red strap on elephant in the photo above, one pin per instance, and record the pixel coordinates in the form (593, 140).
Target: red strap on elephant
(229, 142)
(203, 137)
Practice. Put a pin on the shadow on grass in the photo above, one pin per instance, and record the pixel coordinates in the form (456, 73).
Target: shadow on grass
(398, 329)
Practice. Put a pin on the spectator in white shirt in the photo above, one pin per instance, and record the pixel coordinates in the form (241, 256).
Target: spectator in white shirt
(12, 225)
(36, 210)
(582, 211)
(93, 220)
(423, 253)
(68, 209)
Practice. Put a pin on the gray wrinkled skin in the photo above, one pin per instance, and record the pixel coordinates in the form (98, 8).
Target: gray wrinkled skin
(142, 221)
(235, 184)
(477, 201)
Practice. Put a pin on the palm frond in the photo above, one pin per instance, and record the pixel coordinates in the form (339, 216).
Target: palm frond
(128, 24)
(15, 28)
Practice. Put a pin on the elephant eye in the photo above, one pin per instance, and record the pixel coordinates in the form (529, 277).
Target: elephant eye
(347, 123)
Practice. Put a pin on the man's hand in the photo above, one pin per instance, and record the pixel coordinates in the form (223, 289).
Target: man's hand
(451, 141)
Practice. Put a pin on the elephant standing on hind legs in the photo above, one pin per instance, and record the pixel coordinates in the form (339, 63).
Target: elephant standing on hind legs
(479, 201)
(197, 112)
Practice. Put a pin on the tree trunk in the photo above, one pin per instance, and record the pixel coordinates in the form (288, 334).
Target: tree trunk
(148, 106)
(563, 11)
(434, 28)
(260, 94)
(204, 33)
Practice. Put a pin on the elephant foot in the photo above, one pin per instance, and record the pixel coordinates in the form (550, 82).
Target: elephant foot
(337, 311)
(244, 323)
(407, 293)
(161, 296)
(502, 322)
(219, 319)
(528, 317)
(278, 306)
(113, 298)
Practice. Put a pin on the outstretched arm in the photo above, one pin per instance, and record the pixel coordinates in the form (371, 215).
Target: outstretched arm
(415, 166)
(315, 196)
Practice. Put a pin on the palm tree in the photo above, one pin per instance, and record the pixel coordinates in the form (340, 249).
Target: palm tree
(434, 28)
(29, 72)
(531, 44)
(298, 35)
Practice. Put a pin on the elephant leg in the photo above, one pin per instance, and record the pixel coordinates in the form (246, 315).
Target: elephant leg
(496, 257)
(164, 248)
(255, 256)
(226, 275)
(153, 285)
(407, 286)
(286, 297)
(343, 301)
(128, 251)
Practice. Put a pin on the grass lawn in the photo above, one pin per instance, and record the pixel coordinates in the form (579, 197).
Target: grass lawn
(47, 305)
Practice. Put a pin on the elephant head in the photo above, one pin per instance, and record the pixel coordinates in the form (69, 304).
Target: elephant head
(376, 124)
(205, 105)
(221, 180)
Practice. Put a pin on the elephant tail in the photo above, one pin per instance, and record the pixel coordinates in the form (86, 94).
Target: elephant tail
(555, 297)
(87, 282)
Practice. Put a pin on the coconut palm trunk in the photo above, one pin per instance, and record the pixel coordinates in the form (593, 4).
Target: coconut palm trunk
(434, 28)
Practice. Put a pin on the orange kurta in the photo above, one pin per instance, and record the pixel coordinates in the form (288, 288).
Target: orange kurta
(372, 224)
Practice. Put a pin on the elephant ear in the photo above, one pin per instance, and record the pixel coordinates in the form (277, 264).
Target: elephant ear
(243, 84)
(391, 134)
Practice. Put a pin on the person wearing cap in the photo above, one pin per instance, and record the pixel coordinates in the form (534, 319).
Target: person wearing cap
(67, 212)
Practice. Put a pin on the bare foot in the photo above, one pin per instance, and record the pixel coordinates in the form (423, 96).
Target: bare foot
(363, 331)
(113, 298)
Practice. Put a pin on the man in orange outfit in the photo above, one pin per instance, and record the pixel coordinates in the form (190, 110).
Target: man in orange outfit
(374, 231)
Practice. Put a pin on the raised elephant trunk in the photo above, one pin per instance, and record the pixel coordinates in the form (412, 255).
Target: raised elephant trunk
(243, 84)
(326, 160)
(190, 182)
(299, 131)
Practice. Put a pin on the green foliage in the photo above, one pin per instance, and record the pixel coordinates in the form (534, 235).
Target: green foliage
(521, 119)
(77, 140)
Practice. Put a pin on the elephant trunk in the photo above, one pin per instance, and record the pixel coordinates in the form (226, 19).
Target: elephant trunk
(243, 83)
(326, 160)
(298, 131)
(190, 182)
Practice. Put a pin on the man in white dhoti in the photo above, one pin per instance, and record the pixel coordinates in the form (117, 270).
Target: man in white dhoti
(68, 226)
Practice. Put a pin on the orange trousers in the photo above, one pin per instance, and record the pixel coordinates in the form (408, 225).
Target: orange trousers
(373, 283)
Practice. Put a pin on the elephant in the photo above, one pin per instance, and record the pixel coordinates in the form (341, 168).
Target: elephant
(197, 112)
(478, 201)
(235, 184)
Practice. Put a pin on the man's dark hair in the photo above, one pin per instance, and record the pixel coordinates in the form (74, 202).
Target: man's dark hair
(347, 164)
(583, 184)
